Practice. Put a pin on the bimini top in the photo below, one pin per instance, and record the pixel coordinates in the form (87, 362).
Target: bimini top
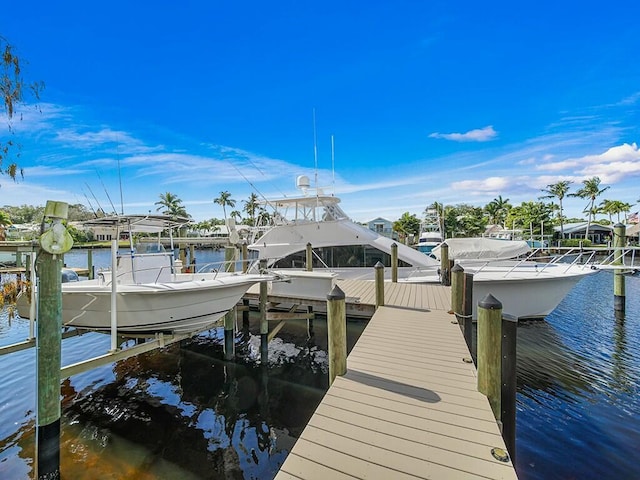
(139, 223)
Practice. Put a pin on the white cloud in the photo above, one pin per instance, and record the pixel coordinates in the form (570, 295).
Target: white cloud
(625, 156)
(478, 135)
(486, 185)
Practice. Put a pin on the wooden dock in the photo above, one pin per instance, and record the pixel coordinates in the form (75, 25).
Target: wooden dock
(361, 300)
(408, 406)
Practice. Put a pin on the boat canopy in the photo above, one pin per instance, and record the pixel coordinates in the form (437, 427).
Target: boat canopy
(139, 223)
(483, 248)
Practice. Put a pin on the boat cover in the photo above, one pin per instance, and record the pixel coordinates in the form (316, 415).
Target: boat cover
(483, 248)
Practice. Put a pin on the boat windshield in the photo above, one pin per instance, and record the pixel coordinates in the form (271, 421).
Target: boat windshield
(149, 248)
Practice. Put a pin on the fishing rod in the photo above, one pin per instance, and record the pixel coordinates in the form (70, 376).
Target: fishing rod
(113, 208)
(94, 197)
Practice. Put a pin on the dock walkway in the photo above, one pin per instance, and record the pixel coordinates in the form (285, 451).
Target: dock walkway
(408, 407)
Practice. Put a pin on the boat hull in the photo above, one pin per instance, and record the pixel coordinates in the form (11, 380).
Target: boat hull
(179, 307)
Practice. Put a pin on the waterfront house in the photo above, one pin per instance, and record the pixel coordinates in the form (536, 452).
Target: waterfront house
(598, 234)
(382, 226)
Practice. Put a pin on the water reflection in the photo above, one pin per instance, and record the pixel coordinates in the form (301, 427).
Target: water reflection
(180, 412)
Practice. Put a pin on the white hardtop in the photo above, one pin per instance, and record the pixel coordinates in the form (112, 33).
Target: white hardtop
(139, 223)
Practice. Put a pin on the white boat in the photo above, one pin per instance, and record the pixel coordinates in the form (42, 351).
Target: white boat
(152, 295)
(527, 288)
(431, 234)
(339, 244)
(527, 284)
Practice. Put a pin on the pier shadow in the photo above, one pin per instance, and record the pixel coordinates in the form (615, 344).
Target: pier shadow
(411, 391)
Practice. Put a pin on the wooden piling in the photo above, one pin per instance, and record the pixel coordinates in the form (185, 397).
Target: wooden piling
(394, 262)
(457, 292)
(445, 274)
(509, 384)
(245, 256)
(230, 316)
(54, 242)
(489, 352)
(379, 276)
(264, 323)
(619, 295)
(49, 338)
(467, 310)
(337, 333)
(90, 262)
(230, 258)
(229, 334)
(309, 257)
(192, 258)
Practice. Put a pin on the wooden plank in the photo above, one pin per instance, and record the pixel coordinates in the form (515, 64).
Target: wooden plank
(408, 406)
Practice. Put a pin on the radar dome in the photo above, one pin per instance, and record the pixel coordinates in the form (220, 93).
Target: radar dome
(302, 182)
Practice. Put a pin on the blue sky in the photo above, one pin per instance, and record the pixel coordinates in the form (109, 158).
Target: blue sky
(426, 101)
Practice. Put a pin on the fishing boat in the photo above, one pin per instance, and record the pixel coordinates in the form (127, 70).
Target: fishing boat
(151, 293)
(340, 245)
(431, 234)
(528, 288)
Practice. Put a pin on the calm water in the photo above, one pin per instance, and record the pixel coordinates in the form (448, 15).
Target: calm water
(184, 413)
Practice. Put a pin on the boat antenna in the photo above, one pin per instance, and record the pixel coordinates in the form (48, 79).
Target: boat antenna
(333, 170)
(120, 178)
(315, 150)
(94, 197)
(113, 208)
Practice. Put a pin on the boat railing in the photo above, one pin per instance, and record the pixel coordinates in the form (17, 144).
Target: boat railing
(540, 260)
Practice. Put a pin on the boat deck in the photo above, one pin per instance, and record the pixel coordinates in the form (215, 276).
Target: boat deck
(408, 407)
(361, 297)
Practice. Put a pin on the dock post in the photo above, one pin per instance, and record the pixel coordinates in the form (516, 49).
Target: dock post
(337, 333)
(229, 334)
(192, 257)
(230, 258)
(230, 316)
(90, 262)
(264, 323)
(394, 262)
(489, 352)
(182, 254)
(445, 273)
(245, 313)
(245, 256)
(309, 257)
(619, 295)
(509, 384)
(457, 292)
(467, 310)
(379, 270)
(54, 242)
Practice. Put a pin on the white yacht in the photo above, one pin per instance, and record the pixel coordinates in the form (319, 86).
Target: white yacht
(528, 288)
(339, 244)
(431, 234)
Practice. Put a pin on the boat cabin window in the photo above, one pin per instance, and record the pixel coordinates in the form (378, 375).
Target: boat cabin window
(340, 257)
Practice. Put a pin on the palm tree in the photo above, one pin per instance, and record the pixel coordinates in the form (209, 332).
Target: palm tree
(250, 207)
(498, 209)
(225, 200)
(614, 207)
(5, 221)
(590, 190)
(172, 205)
(558, 190)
